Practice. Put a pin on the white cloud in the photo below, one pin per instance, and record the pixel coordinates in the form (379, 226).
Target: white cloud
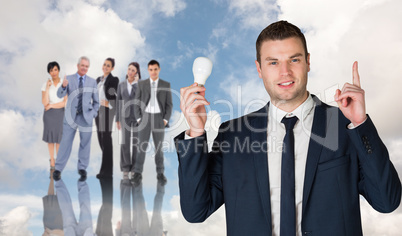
(142, 13)
(188, 51)
(375, 223)
(169, 7)
(15, 222)
(254, 13)
(246, 93)
(175, 223)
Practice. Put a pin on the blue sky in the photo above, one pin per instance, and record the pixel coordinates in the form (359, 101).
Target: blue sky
(175, 32)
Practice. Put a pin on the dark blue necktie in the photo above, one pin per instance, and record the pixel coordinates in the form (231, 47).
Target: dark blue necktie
(133, 89)
(288, 208)
(80, 89)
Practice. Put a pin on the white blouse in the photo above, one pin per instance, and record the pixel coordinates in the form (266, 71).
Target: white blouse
(53, 98)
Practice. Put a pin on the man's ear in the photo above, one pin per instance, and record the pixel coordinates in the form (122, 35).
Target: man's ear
(257, 64)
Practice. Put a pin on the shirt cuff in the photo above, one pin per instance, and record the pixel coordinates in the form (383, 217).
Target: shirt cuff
(186, 136)
(351, 126)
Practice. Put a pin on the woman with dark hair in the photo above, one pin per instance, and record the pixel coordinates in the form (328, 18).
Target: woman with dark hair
(54, 111)
(107, 88)
(125, 119)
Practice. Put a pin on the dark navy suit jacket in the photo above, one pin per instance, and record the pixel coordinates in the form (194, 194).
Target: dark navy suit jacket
(341, 164)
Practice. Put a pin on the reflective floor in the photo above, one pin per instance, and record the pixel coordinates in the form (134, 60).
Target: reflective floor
(106, 206)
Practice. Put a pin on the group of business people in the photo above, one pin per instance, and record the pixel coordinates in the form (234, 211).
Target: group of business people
(141, 107)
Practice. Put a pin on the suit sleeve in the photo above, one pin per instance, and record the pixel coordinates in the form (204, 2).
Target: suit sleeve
(118, 103)
(200, 177)
(95, 99)
(112, 89)
(137, 102)
(379, 182)
(61, 92)
(168, 103)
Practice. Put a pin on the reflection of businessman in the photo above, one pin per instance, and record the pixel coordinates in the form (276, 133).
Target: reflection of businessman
(70, 225)
(138, 223)
(153, 114)
(82, 107)
(309, 186)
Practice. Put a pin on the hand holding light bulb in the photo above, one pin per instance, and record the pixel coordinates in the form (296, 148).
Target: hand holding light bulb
(192, 101)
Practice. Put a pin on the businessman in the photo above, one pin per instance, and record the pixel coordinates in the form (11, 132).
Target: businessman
(311, 185)
(82, 107)
(153, 112)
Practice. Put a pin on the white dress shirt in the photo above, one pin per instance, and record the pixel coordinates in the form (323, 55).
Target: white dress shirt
(53, 98)
(276, 133)
(101, 90)
(130, 86)
(153, 108)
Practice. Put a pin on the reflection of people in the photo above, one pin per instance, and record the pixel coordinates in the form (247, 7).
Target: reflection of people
(72, 227)
(138, 223)
(82, 107)
(54, 110)
(107, 87)
(104, 225)
(153, 113)
(125, 119)
(330, 156)
(52, 218)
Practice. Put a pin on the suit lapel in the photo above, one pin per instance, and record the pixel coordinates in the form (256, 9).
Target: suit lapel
(260, 124)
(73, 83)
(318, 137)
(106, 84)
(125, 91)
(147, 91)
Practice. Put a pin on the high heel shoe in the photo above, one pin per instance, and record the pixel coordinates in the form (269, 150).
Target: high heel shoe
(51, 167)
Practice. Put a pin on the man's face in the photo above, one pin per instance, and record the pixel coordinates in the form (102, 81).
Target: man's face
(83, 67)
(153, 71)
(284, 71)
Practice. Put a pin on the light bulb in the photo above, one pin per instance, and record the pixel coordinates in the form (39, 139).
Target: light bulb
(202, 68)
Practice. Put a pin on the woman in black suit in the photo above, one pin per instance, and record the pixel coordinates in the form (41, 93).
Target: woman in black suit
(107, 88)
(125, 119)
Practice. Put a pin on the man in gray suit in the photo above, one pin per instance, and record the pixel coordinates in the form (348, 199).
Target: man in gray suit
(82, 107)
(152, 113)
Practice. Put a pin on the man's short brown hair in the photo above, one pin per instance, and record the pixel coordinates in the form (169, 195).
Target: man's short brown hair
(278, 31)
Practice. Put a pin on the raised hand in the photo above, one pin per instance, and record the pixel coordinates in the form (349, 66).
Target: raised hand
(118, 125)
(65, 82)
(351, 99)
(192, 104)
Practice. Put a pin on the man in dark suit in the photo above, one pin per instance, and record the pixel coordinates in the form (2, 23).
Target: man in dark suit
(153, 113)
(82, 107)
(296, 166)
(107, 88)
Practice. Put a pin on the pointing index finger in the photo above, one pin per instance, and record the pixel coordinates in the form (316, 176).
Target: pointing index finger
(356, 77)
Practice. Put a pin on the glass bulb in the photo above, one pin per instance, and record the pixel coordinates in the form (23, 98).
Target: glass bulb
(202, 68)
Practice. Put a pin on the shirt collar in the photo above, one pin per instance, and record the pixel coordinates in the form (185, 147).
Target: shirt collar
(156, 81)
(128, 82)
(83, 77)
(301, 112)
